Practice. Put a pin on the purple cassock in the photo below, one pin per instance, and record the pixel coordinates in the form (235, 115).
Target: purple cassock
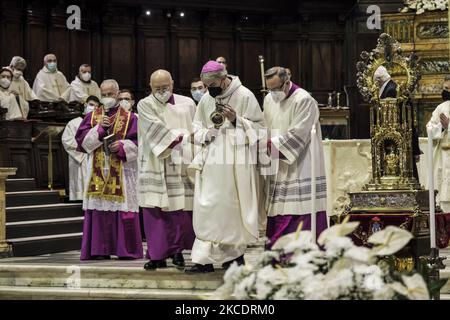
(111, 221)
(279, 226)
(167, 233)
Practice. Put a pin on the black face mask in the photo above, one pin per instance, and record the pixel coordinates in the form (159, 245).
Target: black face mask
(445, 95)
(215, 91)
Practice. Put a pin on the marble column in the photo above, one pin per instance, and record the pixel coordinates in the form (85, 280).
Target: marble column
(5, 249)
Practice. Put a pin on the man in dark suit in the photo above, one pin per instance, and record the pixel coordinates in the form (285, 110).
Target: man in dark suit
(388, 89)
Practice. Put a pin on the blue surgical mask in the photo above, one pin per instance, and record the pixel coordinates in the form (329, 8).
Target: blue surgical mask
(52, 66)
(197, 95)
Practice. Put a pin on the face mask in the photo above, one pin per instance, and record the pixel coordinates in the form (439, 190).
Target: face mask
(108, 103)
(51, 66)
(17, 74)
(86, 76)
(125, 104)
(278, 96)
(164, 97)
(197, 95)
(445, 95)
(5, 83)
(89, 108)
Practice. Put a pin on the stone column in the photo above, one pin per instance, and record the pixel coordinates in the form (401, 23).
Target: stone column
(5, 249)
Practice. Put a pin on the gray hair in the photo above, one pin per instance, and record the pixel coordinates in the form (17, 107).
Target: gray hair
(111, 82)
(213, 75)
(18, 62)
(277, 71)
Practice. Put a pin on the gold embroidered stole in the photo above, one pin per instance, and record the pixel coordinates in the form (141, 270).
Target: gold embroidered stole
(111, 187)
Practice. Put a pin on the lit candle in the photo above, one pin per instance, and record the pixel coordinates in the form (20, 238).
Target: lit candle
(431, 189)
(313, 183)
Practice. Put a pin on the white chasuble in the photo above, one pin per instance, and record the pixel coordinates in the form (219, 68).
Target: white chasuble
(80, 91)
(17, 107)
(50, 86)
(225, 216)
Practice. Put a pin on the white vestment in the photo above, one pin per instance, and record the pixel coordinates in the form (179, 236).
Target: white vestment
(288, 182)
(77, 160)
(80, 91)
(441, 156)
(50, 86)
(11, 102)
(23, 88)
(225, 215)
(163, 181)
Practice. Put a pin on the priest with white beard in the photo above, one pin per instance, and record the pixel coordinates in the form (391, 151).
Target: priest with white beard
(226, 195)
(77, 160)
(19, 85)
(83, 86)
(16, 105)
(290, 113)
(50, 84)
(164, 191)
(111, 212)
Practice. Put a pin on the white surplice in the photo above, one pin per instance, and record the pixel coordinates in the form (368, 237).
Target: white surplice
(77, 160)
(11, 102)
(163, 181)
(50, 86)
(288, 183)
(225, 215)
(441, 157)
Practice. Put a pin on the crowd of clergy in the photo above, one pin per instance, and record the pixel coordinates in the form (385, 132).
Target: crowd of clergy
(211, 187)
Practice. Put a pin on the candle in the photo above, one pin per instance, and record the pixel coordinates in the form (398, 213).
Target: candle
(313, 184)
(431, 189)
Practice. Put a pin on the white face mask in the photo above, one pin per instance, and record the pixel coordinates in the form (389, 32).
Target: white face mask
(5, 83)
(197, 95)
(125, 104)
(164, 97)
(17, 74)
(108, 102)
(89, 108)
(86, 76)
(278, 96)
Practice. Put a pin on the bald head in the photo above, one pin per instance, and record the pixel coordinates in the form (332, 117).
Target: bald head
(161, 80)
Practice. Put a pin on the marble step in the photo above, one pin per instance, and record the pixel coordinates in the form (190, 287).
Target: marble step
(29, 198)
(46, 293)
(38, 245)
(34, 228)
(97, 277)
(22, 184)
(45, 211)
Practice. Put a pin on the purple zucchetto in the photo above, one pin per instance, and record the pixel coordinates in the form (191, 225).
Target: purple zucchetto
(212, 66)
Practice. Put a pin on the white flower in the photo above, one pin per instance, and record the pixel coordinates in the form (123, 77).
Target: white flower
(243, 289)
(359, 254)
(338, 230)
(389, 240)
(338, 246)
(300, 240)
(414, 287)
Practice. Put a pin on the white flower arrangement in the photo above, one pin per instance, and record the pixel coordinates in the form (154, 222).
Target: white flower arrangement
(421, 6)
(296, 268)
